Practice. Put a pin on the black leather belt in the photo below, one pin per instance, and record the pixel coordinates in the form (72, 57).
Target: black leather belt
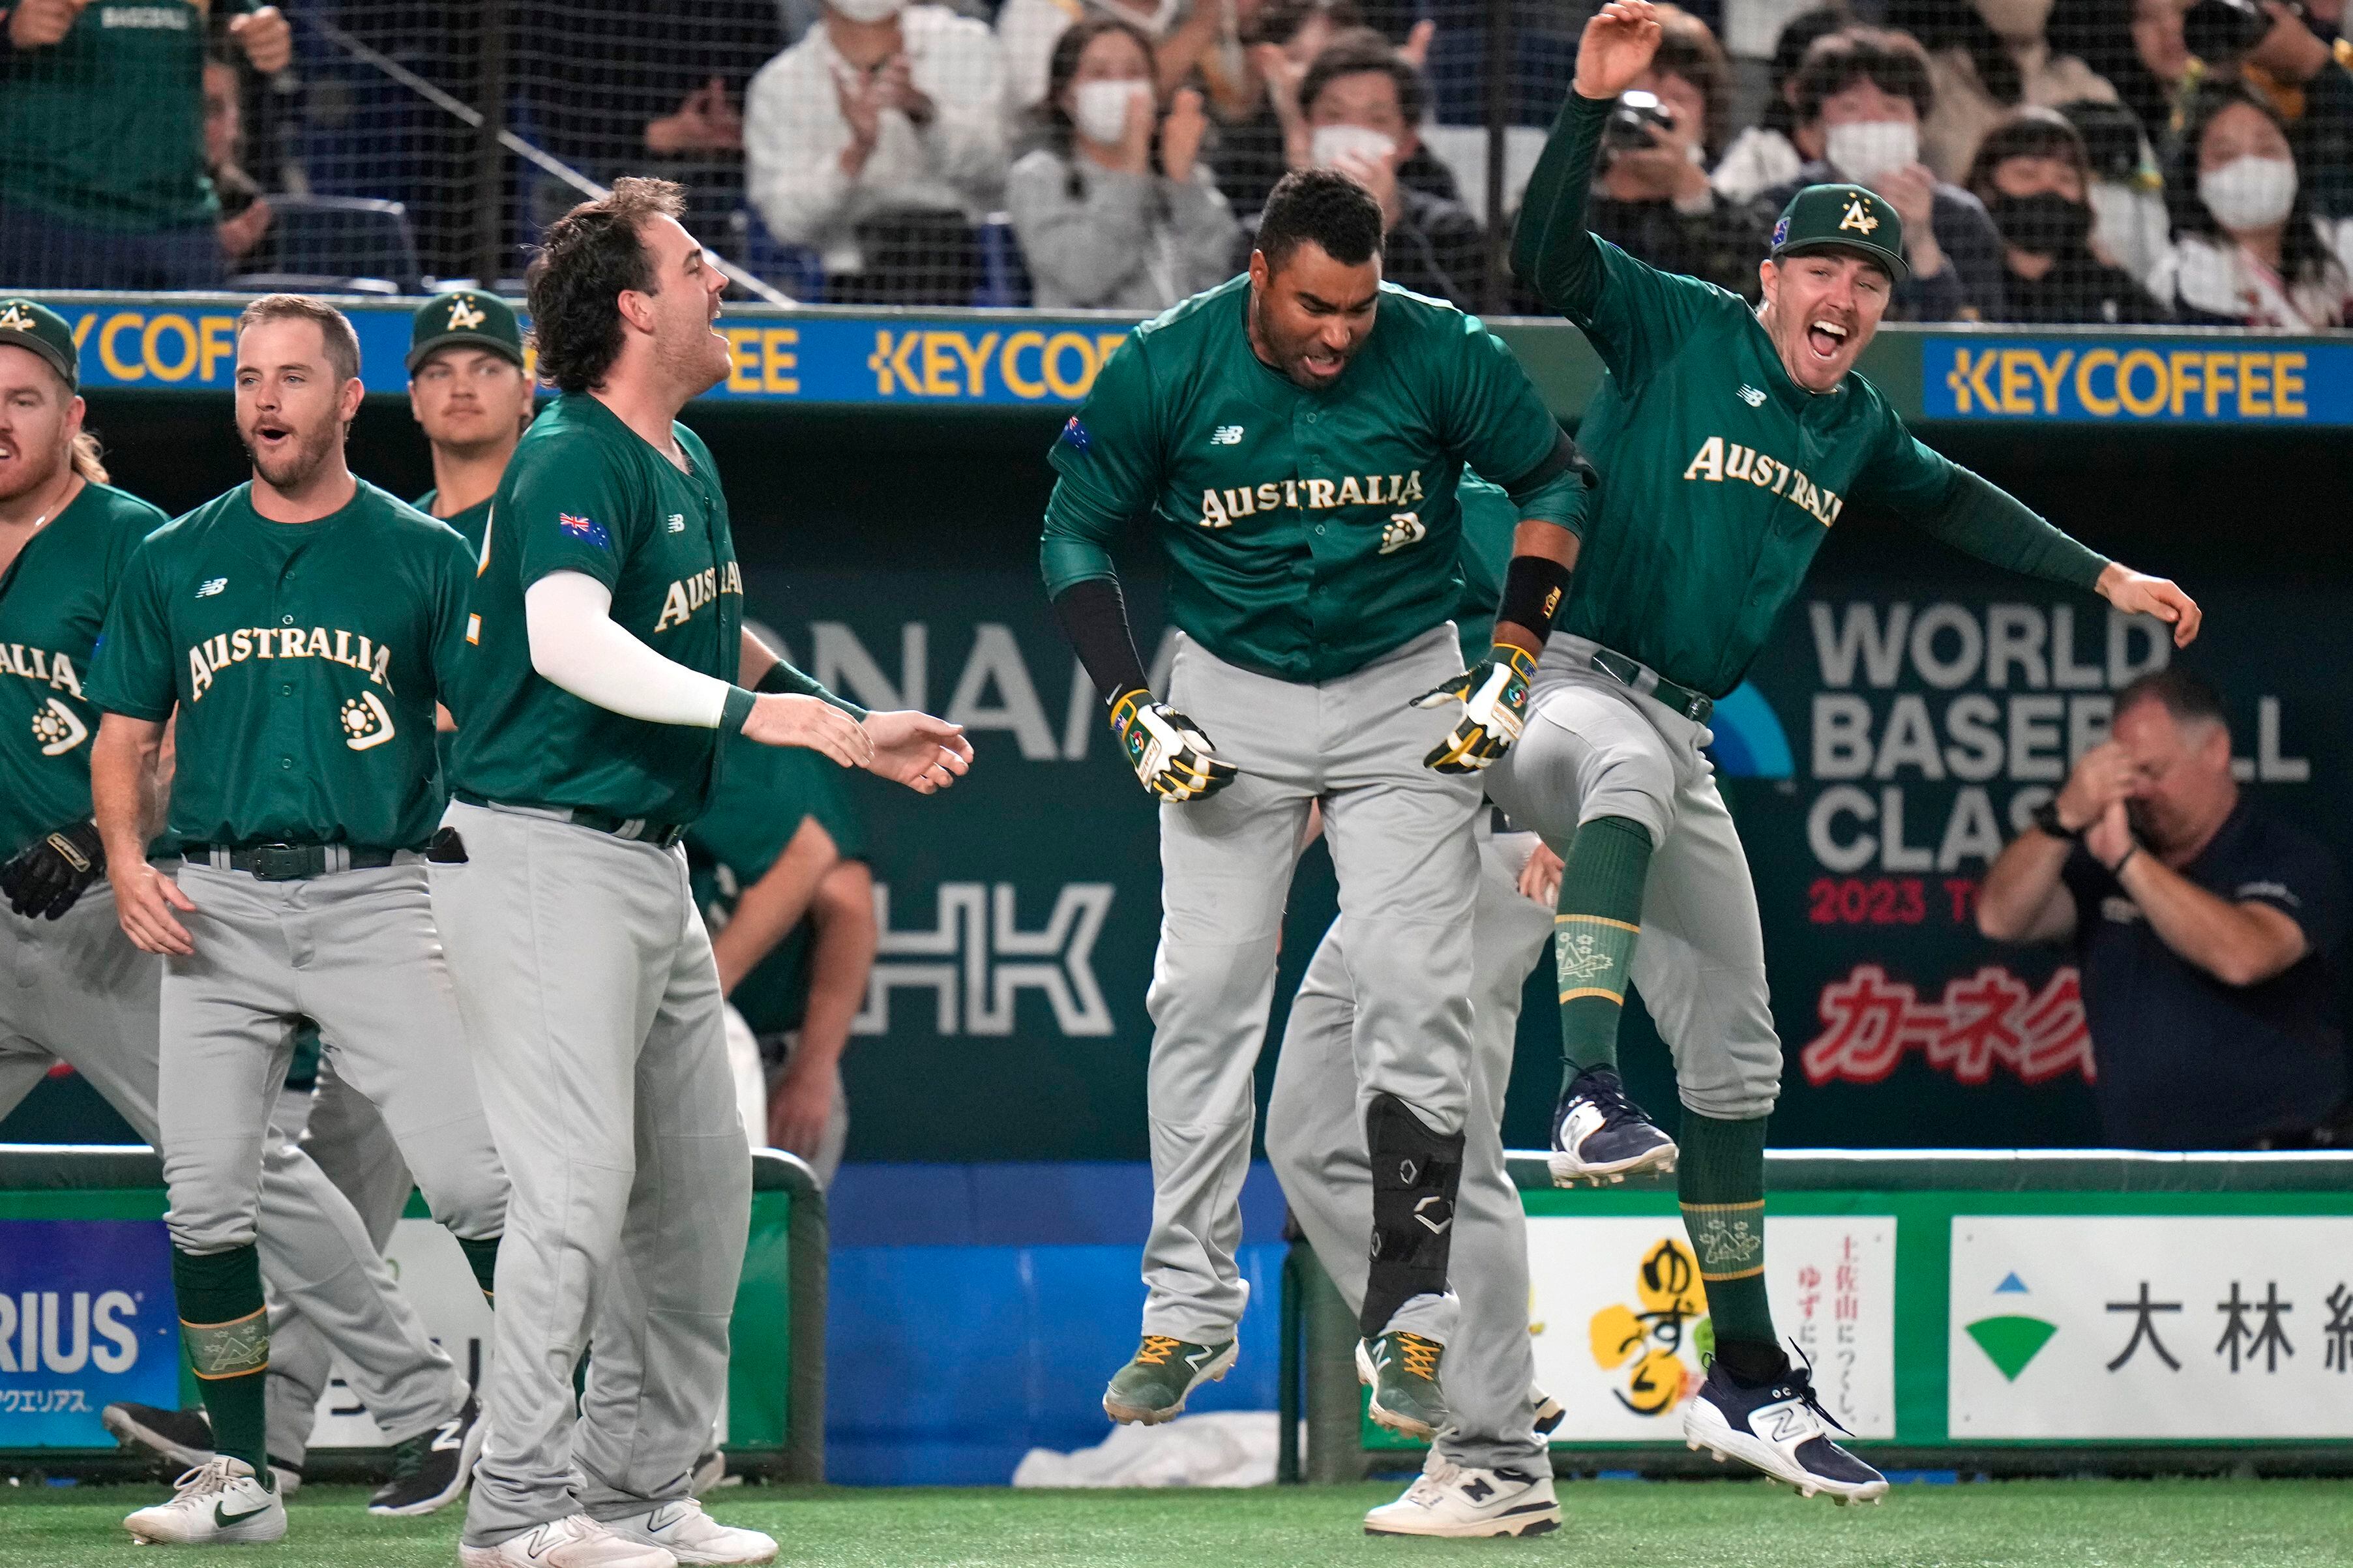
(637, 829)
(1695, 706)
(287, 862)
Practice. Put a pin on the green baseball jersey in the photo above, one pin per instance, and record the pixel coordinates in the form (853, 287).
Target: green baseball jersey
(471, 523)
(766, 794)
(106, 127)
(1308, 532)
(304, 660)
(586, 494)
(1720, 475)
(53, 603)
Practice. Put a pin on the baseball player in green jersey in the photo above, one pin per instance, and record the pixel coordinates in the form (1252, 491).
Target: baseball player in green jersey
(1730, 442)
(83, 993)
(605, 645)
(779, 872)
(1488, 1473)
(1297, 436)
(471, 395)
(294, 633)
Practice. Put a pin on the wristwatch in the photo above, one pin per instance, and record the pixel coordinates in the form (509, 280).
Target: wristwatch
(2046, 820)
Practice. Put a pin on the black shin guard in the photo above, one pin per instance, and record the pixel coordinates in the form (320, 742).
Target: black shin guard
(1416, 1175)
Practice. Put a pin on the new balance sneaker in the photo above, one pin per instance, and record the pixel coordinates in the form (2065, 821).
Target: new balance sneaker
(1549, 1411)
(1448, 1500)
(709, 1474)
(431, 1470)
(573, 1542)
(690, 1535)
(1599, 1135)
(220, 1502)
(1154, 1387)
(1401, 1369)
(1779, 1428)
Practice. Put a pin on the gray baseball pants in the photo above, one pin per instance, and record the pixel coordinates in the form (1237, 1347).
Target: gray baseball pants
(75, 990)
(1400, 840)
(1594, 749)
(1315, 1138)
(586, 978)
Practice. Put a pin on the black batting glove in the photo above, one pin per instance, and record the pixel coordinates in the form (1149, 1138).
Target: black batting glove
(47, 875)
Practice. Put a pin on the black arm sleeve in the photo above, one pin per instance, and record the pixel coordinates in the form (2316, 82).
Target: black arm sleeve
(1095, 617)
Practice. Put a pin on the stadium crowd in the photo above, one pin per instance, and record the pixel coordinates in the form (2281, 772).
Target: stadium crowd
(2053, 161)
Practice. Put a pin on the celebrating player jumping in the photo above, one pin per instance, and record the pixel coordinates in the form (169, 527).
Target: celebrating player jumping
(1296, 435)
(1730, 444)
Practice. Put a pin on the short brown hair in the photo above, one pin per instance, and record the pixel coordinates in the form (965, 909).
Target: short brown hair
(1362, 51)
(334, 327)
(1687, 49)
(574, 285)
(1893, 62)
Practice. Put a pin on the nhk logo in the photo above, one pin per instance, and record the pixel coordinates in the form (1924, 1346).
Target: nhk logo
(977, 958)
(52, 1331)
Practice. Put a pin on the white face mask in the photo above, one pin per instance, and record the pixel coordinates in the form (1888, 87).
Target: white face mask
(2249, 192)
(868, 11)
(1330, 141)
(1863, 150)
(1099, 109)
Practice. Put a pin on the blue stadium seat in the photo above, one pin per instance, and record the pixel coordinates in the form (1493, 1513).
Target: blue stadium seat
(1004, 277)
(794, 269)
(346, 237)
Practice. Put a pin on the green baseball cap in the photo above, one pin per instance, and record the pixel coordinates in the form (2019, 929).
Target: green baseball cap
(466, 318)
(1841, 217)
(29, 325)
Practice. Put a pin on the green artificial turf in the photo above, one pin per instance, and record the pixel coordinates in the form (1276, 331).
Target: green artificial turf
(1606, 1524)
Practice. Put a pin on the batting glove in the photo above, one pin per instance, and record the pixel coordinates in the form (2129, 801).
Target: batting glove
(47, 875)
(1494, 697)
(1167, 751)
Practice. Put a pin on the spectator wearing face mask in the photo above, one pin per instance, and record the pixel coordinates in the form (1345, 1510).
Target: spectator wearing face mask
(2306, 77)
(2246, 248)
(1107, 220)
(2033, 176)
(876, 141)
(1766, 154)
(1861, 96)
(1985, 57)
(1027, 30)
(1360, 104)
(1651, 198)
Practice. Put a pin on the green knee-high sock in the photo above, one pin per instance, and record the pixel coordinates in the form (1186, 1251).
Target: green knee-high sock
(1593, 937)
(482, 1258)
(226, 1333)
(1721, 1177)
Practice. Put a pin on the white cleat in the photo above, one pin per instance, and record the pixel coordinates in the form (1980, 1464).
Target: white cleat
(575, 1541)
(221, 1502)
(690, 1535)
(1448, 1500)
(1600, 1135)
(1780, 1430)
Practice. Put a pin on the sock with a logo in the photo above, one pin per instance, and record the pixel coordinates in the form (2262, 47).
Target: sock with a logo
(225, 1330)
(482, 1258)
(1593, 937)
(1721, 1177)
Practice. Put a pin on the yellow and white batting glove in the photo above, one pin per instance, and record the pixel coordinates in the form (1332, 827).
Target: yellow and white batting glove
(1494, 697)
(1167, 751)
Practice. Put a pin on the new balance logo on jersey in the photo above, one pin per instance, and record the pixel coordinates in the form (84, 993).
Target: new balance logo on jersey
(1219, 509)
(676, 522)
(1226, 436)
(207, 659)
(1750, 395)
(688, 594)
(211, 585)
(1719, 461)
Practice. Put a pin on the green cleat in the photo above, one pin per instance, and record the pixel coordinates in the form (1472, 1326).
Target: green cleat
(1402, 1370)
(1153, 1388)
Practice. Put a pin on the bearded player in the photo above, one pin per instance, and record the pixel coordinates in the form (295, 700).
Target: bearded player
(1731, 442)
(1295, 437)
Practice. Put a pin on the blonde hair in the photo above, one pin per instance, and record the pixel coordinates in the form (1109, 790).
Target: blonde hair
(85, 458)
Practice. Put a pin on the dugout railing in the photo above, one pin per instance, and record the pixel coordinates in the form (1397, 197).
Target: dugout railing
(1998, 1312)
(85, 1270)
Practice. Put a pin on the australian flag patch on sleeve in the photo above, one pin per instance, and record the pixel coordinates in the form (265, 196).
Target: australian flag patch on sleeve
(586, 528)
(1076, 436)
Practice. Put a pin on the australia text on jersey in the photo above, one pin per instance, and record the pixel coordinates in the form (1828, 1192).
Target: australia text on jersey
(1718, 462)
(38, 664)
(216, 653)
(688, 594)
(1220, 507)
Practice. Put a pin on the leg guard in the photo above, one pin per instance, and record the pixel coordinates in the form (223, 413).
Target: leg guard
(1416, 1175)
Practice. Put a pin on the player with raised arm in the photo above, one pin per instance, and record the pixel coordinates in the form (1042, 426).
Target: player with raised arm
(606, 645)
(1730, 442)
(1295, 437)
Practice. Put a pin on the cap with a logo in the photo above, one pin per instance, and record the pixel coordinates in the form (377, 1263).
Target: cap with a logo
(1841, 217)
(466, 318)
(29, 325)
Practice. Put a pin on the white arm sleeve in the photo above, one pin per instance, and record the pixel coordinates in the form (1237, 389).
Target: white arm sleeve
(577, 645)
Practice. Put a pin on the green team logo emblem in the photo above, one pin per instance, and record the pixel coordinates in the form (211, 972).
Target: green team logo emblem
(15, 318)
(1582, 958)
(57, 728)
(464, 316)
(1858, 217)
(1404, 528)
(367, 723)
